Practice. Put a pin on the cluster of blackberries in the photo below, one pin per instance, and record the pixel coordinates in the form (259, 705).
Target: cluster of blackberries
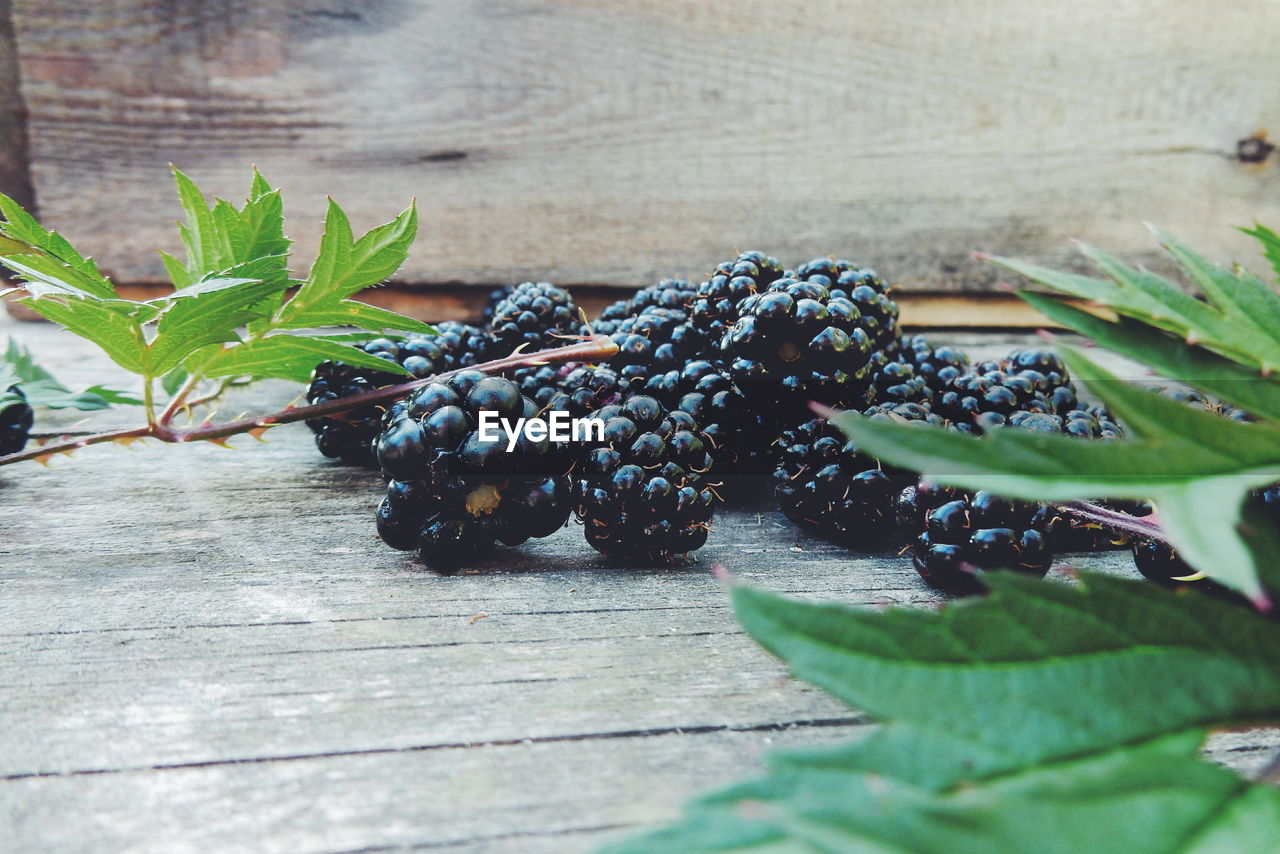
(709, 380)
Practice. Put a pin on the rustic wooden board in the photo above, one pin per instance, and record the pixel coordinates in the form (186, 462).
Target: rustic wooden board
(605, 142)
(204, 649)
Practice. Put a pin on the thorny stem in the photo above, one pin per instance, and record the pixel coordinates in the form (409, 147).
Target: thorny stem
(592, 350)
(179, 399)
(1110, 518)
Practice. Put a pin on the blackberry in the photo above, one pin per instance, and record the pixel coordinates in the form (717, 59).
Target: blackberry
(937, 366)
(975, 402)
(464, 344)
(537, 315)
(824, 482)
(959, 533)
(715, 302)
(588, 388)
(654, 341)
(736, 433)
(668, 293)
(866, 290)
(494, 297)
(798, 342)
(1048, 375)
(897, 382)
(451, 493)
(642, 492)
(347, 437)
(16, 419)
(613, 314)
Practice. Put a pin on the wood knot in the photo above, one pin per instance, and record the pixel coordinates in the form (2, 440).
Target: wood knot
(1255, 148)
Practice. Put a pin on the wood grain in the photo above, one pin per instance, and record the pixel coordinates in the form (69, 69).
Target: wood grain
(607, 142)
(204, 649)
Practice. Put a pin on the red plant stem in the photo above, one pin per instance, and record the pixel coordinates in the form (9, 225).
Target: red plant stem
(1135, 525)
(592, 350)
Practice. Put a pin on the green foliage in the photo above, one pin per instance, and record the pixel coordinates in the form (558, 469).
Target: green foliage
(229, 315)
(39, 387)
(1040, 718)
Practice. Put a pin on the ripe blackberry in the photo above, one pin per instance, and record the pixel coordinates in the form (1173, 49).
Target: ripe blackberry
(452, 493)
(347, 437)
(538, 315)
(613, 314)
(16, 419)
(715, 302)
(937, 366)
(960, 533)
(897, 382)
(736, 433)
(976, 402)
(642, 492)
(655, 341)
(1048, 375)
(494, 297)
(866, 290)
(796, 343)
(588, 388)
(668, 293)
(824, 482)
(465, 345)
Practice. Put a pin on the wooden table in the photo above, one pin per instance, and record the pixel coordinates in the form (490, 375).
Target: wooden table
(207, 649)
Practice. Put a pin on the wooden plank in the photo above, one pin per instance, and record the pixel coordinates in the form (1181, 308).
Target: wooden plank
(614, 143)
(204, 649)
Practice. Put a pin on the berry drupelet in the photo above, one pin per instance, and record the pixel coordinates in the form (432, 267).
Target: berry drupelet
(538, 315)
(642, 491)
(959, 533)
(16, 419)
(452, 493)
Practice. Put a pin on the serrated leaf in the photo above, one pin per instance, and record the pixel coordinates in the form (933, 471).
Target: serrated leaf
(57, 261)
(1171, 358)
(1238, 320)
(116, 332)
(292, 357)
(199, 234)
(345, 266)
(41, 388)
(1270, 244)
(352, 313)
(1040, 718)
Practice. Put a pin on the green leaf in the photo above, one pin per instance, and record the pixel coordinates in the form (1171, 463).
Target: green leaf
(173, 381)
(1171, 358)
(41, 388)
(1040, 718)
(363, 315)
(1240, 320)
(291, 357)
(118, 333)
(49, 260)
(1270, 244)
(345, 266)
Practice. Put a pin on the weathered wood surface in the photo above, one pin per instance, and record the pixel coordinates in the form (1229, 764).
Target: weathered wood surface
(204, 649)
(613, 143)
